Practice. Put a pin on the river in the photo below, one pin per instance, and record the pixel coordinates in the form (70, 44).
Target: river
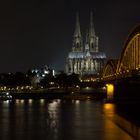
(59, 120)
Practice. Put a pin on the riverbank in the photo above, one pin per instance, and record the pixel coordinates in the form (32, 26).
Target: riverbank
(59, 93)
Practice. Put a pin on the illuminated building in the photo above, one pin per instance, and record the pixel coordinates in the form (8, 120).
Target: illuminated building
(38, 74)
(45, 71)
(85, 58)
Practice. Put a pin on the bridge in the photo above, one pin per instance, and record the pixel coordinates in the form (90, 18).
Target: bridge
(122, 76)
(128, 65)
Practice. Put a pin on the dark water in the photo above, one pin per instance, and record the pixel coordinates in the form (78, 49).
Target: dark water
(59, 120)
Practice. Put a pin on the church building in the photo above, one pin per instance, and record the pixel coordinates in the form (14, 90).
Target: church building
(85, 57)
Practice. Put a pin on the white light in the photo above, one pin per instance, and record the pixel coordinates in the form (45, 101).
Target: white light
(30, 101)
(17, 101)
(7, 93)
(7, 101)
(42, 101)
(77, 101)
(22, 101)
(53, 73)
(36, 70)
(17, 88)
(77, 86)
(46, 72)
(51, 83)
(53, 105)
(104, 88)
(88, 97)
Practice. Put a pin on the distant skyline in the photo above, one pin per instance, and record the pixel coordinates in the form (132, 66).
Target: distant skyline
(37, 33)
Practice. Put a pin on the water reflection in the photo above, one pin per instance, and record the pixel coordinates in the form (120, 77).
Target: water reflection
(77, 101)
(42, 101)
(6, 102)
(18, 101)
(113, 113)
(30, 101)
(59, 120)
(53, 118)
(109, 110)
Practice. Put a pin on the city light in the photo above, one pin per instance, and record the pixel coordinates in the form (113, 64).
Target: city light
(110, 91)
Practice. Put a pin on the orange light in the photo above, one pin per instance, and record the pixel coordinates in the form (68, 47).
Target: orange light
(110, 91)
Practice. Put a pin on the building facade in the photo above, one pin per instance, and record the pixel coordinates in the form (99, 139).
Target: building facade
(85, 58)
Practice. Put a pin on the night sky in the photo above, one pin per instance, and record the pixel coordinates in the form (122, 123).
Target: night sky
(40, 32)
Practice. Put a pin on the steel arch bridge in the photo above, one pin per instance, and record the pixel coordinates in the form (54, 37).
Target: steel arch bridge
(109, 71)
(129, 63)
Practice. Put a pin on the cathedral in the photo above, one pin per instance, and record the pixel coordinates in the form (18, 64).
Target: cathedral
(85, 58)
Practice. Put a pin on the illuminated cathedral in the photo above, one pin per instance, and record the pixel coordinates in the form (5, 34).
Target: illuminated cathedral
(85, 58)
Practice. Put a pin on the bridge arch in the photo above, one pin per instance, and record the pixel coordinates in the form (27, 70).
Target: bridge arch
(109, 70)
(130, 56)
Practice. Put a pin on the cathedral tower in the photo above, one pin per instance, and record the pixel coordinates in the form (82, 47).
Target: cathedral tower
(92, 38)
(87, 61)
(77, 38)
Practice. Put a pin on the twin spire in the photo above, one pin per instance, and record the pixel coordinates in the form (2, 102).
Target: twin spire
(77, 32)
(90, 37)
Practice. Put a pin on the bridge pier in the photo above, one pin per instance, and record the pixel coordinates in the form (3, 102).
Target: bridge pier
(110, 92)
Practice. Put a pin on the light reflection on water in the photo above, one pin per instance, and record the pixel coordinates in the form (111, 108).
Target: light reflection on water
(127, 125)
(53, 117)
(109, 110)
(58, 120)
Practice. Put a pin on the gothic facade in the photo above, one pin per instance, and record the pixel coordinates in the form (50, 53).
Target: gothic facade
(85, 58)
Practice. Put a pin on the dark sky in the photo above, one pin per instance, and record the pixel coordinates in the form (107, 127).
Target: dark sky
(39, 32)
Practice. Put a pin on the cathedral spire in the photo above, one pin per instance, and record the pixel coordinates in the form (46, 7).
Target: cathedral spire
(77, 32)
(93, 39)
(77, 38)
(91, 28)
